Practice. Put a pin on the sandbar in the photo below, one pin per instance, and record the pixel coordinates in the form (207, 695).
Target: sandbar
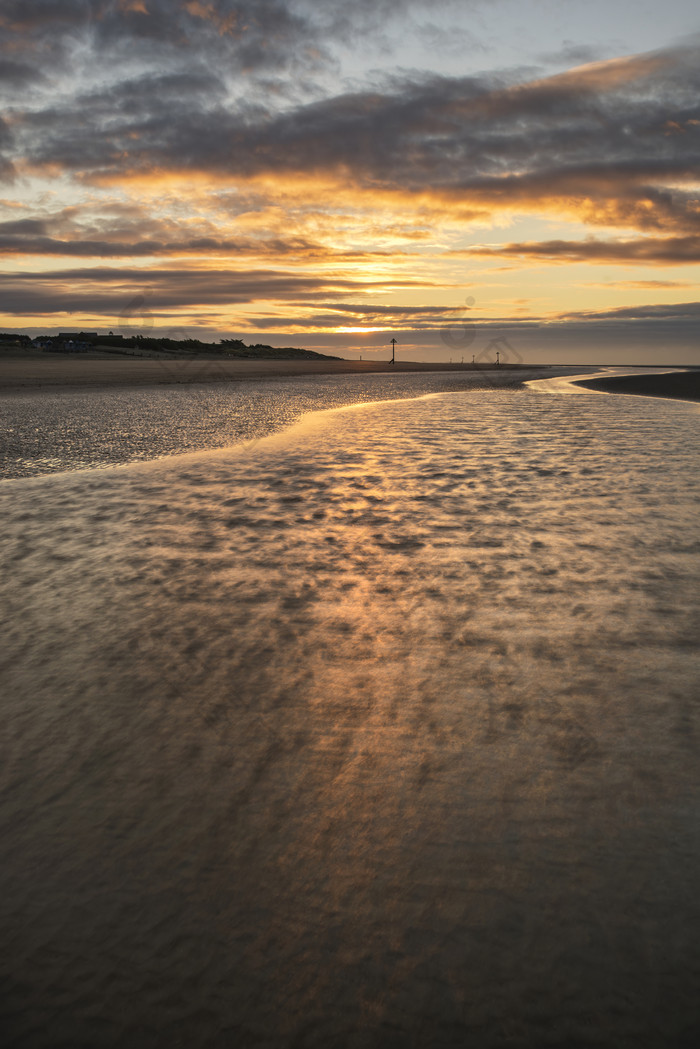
(677, 385)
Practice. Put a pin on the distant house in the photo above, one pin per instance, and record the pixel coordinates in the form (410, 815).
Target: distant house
(62, 343)
(77, 336)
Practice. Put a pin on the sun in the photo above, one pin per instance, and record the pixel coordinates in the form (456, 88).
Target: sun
(356, 331)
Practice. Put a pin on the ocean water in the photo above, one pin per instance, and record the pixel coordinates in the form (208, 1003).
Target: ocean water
(378, 731)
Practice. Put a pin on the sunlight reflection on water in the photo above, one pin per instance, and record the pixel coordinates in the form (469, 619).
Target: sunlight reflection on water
(380, 732)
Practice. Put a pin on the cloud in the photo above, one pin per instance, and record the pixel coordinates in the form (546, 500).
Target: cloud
(674, 311)
(19, 75)
(626, 329)
(231, 128)
(276, 300)
(246, 34)
(592, 142)
(657, 251)
(7, 168)
(110, 290)
(342, 314)
(23, 227)
(205, 246)
(253, 225)
(673, 325)
(120, 230)
(571, 54)
(642, 284)
(250, 37)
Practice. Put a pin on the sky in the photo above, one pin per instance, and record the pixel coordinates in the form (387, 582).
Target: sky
(463, 176)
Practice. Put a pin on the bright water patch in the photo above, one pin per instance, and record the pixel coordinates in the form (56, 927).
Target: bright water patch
(382, 732)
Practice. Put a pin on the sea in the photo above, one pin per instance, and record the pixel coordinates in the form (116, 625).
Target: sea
(349, 714)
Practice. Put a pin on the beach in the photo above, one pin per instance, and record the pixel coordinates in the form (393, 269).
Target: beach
(684, 385)
(378, 730)
(349, 703)
(62, 426)
(46, 370)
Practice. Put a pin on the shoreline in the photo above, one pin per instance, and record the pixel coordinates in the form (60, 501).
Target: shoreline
(19, 374)
(680, 385)
(123, 423)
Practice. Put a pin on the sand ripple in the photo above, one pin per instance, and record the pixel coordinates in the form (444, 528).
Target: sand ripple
(382, 732)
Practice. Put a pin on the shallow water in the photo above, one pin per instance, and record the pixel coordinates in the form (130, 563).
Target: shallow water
(380, 732)
(54, 430)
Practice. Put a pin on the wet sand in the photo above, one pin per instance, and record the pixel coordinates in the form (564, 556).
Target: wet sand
(17, 373)
(678, 385)
(379, 733)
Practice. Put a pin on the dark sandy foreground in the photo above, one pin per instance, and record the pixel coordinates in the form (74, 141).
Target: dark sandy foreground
(18, 373)
(380, 733)
(682, 385)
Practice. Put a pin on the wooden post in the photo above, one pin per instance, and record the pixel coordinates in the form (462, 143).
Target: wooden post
(393, 349)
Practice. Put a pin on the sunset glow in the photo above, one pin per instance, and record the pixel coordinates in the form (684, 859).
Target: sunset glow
(329, 173)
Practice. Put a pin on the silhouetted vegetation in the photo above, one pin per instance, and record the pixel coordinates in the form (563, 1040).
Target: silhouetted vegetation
(71, 341)
(11, 337)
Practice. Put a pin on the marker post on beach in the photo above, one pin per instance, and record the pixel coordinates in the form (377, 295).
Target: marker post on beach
(393, 349)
